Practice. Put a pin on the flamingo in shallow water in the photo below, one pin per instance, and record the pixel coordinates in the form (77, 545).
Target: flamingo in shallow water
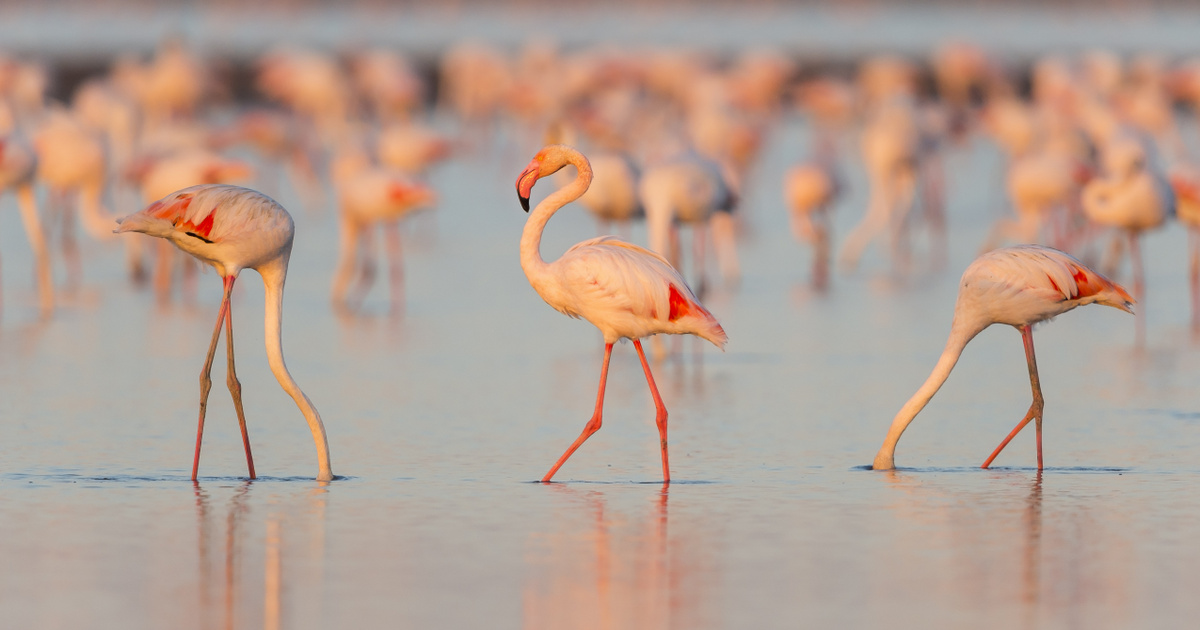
(234, 228)
(624, 290)
(1019, 286)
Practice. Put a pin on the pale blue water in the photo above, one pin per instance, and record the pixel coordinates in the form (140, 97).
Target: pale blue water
(440, 421)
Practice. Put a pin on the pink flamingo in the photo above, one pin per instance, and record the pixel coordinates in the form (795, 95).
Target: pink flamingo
(1185, 182)
(624, 290)
(1134, 195)
(165, 174)
(368, 196)
(232, 229)
(1019, 286)
(17, 167)
(808, 189)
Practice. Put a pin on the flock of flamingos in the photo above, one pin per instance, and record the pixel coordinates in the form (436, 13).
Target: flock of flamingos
(1093, 148)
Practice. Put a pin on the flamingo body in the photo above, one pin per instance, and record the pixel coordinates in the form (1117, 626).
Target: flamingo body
(622, 289)
(1019, 286)
(234, 228)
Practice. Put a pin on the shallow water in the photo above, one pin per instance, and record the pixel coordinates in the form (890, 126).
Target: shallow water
(441, 420)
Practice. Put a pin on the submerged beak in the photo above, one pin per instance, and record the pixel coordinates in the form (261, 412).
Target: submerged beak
(525, 182)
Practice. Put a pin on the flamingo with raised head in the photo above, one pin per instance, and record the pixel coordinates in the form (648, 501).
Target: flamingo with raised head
(234, 228)
(624, 290)
(1019, 286)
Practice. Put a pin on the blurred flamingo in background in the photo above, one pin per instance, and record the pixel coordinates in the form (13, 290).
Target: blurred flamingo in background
(690, 190)
(1019, 286)
(624, 290)
(1133, 195)
(367, 196)
(808, 189)
(232, 229)
(889, 148)
(71, 159)
(17, 167)
(1185, 181)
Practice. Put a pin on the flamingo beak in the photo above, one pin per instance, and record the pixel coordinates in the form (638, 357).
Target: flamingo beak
(525, 182)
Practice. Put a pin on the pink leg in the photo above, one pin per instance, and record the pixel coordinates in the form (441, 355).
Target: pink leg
(231, 379)
(205, 380)
(1139, 287)
(391, 233)
(1194, 275)
(1035, 409)
(593, 425)
(660, 415)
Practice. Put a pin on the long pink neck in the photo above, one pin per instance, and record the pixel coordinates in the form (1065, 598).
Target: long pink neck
(274, 275)
(960, 334)
(531, 238)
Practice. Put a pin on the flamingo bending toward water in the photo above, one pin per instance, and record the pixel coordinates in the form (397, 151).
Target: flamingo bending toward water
(234, 228)
(1019, 286)
(624, 290)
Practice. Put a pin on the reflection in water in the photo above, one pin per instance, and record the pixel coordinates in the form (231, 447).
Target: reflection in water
(1018, 552)
(1033, 552)
(237, 599)
(607, 568)
(274, 577)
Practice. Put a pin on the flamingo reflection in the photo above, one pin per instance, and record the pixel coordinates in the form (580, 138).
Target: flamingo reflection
(609, 560)
(229, 590)
(626, 577)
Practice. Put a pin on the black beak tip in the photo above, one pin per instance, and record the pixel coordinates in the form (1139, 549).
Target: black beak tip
(524, 202)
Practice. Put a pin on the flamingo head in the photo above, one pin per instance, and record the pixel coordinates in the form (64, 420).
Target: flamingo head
(527, 179)
(547, 162)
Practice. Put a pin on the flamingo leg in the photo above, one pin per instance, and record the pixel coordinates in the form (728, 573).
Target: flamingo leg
(70, 246)
(1139, 286)
(593, 425)
(345, 266)
(821, 249)
(37, 242)
(205, 380)
(1194, 275)
(1035, 408)
(391, 234)
(367, 272)
(660, 415)
(698, 259)
(231, 379)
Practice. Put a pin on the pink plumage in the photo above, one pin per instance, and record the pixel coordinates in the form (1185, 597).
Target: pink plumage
(1019, 286)
(234, 228)
(624, 290)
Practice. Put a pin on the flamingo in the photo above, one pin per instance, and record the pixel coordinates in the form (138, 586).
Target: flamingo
(1135, 196)
(686, 189)
(1019, 286)
(370, 195)
(1185, 182)
(17, 167)
(624, 290)
(234, 228)
(809, 188)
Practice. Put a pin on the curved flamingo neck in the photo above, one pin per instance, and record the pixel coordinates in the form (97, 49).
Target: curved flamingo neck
(274, 274)
(531, 237)
(962, 331)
